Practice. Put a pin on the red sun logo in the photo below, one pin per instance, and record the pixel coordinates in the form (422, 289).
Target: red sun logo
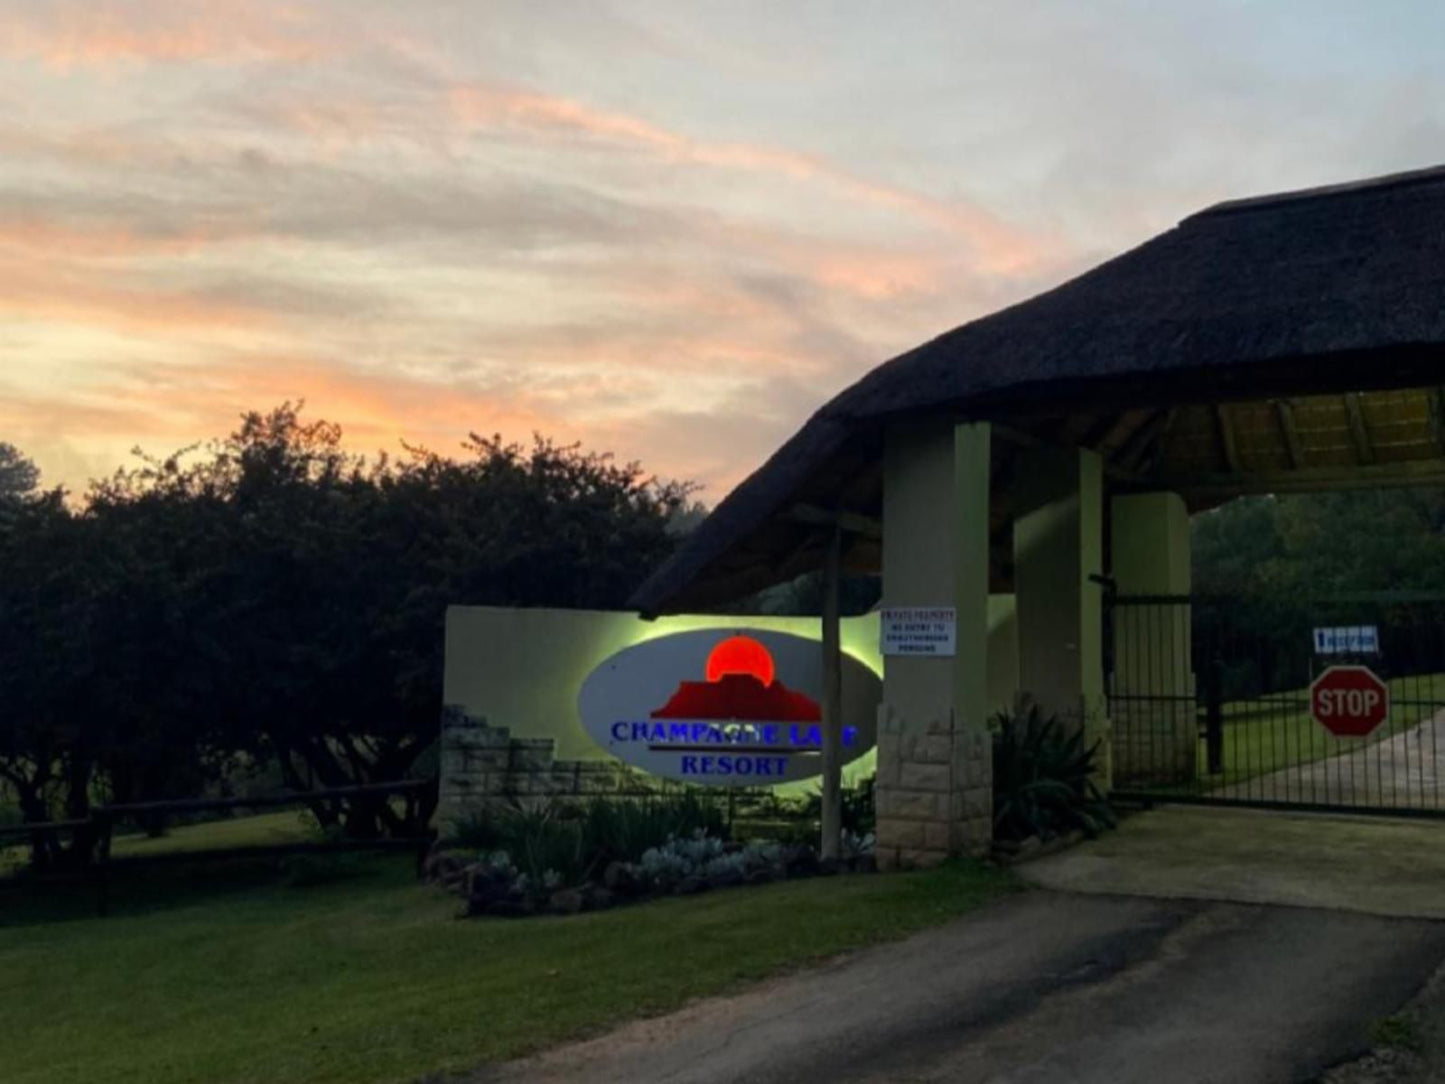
(741, 685)
(740, 655)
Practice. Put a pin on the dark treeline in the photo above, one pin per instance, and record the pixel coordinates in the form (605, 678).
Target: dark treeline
(275, 604)
(1292, 563)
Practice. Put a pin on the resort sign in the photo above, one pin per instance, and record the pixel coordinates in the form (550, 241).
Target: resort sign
(725, 707)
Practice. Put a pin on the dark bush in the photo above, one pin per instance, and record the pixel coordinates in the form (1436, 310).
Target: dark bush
(621, 830)
(856, 808)
(1043, 777)
(575, 841)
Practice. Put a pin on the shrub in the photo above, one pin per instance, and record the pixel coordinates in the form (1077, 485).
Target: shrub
(859, 816)
(478, 830)
(622, 830)
(700, 855)
(856, 807)
(1043, 777)
(545, 843)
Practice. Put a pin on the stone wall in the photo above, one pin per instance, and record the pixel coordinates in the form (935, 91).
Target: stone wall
(933, 793)
(483, 765)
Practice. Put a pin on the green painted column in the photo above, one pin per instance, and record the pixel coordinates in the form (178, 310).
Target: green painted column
(933, 787)
(972, 800)
(1155, 725)
(1058, 549)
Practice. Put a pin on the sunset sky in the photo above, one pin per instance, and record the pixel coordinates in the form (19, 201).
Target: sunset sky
(669, 230)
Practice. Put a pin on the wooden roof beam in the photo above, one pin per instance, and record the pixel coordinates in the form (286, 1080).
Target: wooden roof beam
(1145, 442)
(1359, 431)
(1227, 442)
(1225, 486)
(811, 515)
(1284, 411)
(1435, 400)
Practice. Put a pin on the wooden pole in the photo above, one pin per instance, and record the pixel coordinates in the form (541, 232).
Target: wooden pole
(832, 701)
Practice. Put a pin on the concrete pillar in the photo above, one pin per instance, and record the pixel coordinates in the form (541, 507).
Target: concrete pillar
(1058, 547)
(934, 769)
(1003, 652)
(1155, 725)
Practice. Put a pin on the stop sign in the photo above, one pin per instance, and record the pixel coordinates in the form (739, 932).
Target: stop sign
(1349, 701)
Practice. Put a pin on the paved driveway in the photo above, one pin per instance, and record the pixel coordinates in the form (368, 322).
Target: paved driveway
(1043, 988)
(1365, 864)
(1406, 771)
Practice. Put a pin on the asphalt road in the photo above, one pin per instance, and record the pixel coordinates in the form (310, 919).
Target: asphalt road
(1048, 987)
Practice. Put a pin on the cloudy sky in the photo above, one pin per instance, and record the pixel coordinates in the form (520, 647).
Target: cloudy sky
(670, 230)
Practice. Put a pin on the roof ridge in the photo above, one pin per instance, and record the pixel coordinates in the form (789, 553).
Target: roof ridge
(1403, 179)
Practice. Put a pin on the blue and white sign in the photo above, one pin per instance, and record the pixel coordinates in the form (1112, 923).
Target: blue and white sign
(729, 707)
(1348, 640)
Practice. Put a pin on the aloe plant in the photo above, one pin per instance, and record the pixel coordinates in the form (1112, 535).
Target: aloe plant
(1043, 777)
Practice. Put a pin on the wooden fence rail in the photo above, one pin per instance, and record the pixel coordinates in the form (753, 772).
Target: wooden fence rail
(100, 825)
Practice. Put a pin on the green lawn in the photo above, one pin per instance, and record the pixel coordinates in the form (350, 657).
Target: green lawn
(265, 829)
(1265, 735)
(290, 826)
(210, 977)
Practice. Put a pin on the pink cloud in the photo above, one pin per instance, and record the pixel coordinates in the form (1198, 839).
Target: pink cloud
(101, 33)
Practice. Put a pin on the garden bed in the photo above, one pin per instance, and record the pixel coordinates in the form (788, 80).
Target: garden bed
(557, 857)
(491, 885)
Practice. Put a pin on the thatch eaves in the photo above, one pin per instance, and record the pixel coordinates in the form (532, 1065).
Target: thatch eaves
(1321, 300)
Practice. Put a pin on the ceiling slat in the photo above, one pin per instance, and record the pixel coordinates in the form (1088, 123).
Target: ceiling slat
(1284, 410)
(1359, 430)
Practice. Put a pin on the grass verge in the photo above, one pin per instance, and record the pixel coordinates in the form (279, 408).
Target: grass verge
(1276, 732)
(204, 975)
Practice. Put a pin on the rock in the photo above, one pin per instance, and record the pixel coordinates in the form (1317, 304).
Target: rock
(800, 860)
(725, 878)
(482, 879)
(566, 901)
(443, 868)
(690, 886)
(599, 899)
(484, 893)
(480, 902)
(618, 878)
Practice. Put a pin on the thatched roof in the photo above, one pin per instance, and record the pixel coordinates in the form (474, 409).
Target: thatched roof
(1287, 306)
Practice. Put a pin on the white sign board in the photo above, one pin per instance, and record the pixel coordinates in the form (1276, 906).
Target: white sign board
(1348, 640)
(725, 707)
(918, 630)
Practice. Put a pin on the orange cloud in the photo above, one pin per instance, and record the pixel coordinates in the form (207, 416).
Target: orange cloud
(90, 33)
(35, 290)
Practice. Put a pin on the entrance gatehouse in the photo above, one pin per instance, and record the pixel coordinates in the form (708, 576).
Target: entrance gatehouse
(1051, 454)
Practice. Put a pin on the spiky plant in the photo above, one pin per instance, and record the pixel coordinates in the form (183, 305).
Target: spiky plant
(1043, 777)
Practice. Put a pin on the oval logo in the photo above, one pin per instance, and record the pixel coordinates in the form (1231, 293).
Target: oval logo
(727, 707)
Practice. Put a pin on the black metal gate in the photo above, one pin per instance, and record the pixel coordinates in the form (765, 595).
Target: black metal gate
(1209, 700)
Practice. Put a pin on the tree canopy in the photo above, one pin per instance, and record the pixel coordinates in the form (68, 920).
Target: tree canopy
(274, 599)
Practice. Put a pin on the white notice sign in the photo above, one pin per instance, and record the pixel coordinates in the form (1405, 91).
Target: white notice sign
(1348, 640)
(918, 630)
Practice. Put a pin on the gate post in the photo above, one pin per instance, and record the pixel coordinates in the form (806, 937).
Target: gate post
(1214, 716)
(1156, 724)
(1058, 560)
